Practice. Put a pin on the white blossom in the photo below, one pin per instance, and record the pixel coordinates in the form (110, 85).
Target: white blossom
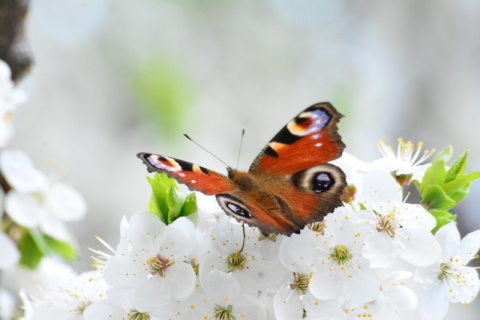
(69, 299)
(406, 161)
(36, 202)
(155, 261)
(253, 264)
(450, 279)
(340, 266)
(396, 228)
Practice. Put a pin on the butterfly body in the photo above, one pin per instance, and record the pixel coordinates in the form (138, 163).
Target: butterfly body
(288, 185)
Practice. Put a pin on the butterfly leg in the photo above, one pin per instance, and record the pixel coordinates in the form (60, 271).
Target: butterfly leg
(244, 236)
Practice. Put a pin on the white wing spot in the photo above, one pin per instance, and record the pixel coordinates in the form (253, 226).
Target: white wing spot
(193, 181)
(318, 145)
(315, 136)
(181, 174)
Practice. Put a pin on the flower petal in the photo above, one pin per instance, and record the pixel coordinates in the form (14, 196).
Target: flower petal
(380, 250)
(464, 286)
(322, 309)
(434, 303)
(363, 285)
(147, 295)
(287, 305)
(66, 203)
(179, 237)
(417, 246)
(220, 287)
(448, 238)
(325, 284)
(53, 227)
(9, 255)
(468, 247)
(182, 280)
(296, 252)
(20, 173)
(104, 309)
(122, 272)
(23, 208)
(380, 186)
(400, 297)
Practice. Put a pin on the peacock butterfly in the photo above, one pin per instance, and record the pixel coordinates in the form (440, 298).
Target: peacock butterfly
(288, 185)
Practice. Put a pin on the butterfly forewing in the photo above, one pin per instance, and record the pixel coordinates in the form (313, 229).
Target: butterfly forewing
(195, 177)
(309, 139)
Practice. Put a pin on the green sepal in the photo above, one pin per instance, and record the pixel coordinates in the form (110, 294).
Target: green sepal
(167, 202)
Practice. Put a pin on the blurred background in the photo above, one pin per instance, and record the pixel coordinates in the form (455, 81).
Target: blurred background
(112, 78)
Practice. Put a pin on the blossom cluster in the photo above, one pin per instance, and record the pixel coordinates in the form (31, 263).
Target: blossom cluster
(34, 207)
(376, 257)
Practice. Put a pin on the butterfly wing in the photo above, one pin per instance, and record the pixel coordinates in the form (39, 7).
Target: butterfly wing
(196, 178)
(309, 139)
(294, 165)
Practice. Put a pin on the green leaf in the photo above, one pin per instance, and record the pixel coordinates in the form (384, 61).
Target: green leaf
(64, 249)
(443, 189)
(443, 217)
(435, 175)
(167, 202)
(462, 182)
(190, 205)
(458, 167)
(159, 204)
(33, 248)
(436, 198)
(174, 212)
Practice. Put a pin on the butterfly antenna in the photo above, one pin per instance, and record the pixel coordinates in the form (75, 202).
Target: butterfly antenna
(209, 152)
(240, 147)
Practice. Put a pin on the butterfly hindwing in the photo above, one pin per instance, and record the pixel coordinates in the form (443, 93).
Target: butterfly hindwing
(195, 177)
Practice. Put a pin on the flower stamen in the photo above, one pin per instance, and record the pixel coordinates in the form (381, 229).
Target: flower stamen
(159, 265)
(224, 313)
(301, 282)
(137, 315)
(236, 261)
(341, 254)
(388, 224)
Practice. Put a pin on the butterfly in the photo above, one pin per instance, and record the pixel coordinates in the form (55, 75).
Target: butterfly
(289, 184)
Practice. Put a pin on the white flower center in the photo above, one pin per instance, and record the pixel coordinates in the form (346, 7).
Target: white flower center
(341, 254)
(159, 265)
(301, 282)
(388, 224)
(236, 261)
(137, 315)
(224, 313)
(448, 271)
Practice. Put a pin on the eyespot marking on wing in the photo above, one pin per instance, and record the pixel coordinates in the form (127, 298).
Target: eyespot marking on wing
(309, 122)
